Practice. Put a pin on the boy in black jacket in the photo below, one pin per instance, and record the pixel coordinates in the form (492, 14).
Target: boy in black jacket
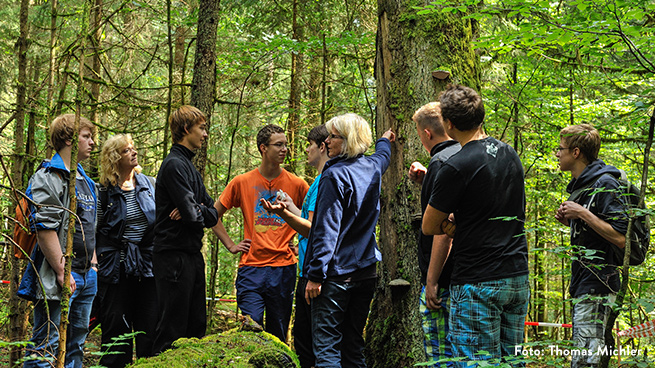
(597, 224)
(184, 209)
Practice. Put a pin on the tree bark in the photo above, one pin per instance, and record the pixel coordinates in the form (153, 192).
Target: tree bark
(203, 89)
(52, 63)
(625, 270)
(409, 48)
(18, 316)
(293, 121)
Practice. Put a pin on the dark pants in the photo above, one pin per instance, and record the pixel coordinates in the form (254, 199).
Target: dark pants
(130, 305)
(338, 319)
(267, 289)
(302, 327)
(180, 284)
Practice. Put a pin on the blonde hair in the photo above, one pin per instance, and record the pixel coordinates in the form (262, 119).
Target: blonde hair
(111, 153)
(355, 131)
(428, 116)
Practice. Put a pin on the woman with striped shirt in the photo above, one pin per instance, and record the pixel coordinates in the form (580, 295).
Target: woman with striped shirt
(126, 286)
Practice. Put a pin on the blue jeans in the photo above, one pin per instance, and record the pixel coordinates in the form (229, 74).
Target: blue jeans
(267, 289)
(488, 316)
(338, 319)
(45, 336)
(435, 329)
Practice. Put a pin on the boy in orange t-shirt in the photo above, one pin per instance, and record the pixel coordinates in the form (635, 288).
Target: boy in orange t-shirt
(267, 269)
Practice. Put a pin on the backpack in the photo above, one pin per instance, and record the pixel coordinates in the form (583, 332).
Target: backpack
(24, 236)
(640, 237)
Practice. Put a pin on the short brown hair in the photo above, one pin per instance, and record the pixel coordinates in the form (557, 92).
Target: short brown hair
(265, 133)
(182, 119)
(462, 106)
(583, 136)
(428, 116)
(62, 129)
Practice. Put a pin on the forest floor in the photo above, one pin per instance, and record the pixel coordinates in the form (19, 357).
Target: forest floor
(225, 318)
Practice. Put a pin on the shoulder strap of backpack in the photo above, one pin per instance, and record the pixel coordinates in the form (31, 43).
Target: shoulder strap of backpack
(577, 194)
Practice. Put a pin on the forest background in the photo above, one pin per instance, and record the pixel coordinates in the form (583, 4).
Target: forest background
(539, 65)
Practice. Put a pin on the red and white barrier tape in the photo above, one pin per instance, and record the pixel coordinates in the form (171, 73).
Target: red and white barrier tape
(643, 330)
(548, 324)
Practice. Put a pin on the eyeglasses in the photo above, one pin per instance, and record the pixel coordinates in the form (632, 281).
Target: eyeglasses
(336, 136)
(560, 149)
(279, 145)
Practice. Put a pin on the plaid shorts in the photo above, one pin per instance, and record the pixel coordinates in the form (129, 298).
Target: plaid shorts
(488, 316)
(589, 320)
(435, 329)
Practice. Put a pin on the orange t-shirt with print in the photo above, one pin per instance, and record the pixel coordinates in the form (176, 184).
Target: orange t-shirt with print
(269, 233)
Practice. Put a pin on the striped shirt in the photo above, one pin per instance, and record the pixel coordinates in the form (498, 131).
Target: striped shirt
(136, 222)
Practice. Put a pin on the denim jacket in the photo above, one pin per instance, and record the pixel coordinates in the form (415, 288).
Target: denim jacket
(110, 241)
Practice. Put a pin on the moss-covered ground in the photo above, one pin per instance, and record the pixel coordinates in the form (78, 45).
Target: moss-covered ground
(233, 348)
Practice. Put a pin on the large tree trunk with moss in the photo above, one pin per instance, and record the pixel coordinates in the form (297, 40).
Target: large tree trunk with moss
(417, 55)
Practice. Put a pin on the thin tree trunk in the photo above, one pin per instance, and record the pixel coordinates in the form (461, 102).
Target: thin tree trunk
(68, 255)
(17, 308)
(293, 121)
(203, 89)
(96, 74)
(324, 82)
(52, 66)
(169, 92)
(30, 147)
(625, 271)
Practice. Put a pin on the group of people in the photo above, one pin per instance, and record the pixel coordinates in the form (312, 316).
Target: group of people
(138, 240)
(137, 249)
(473, 252)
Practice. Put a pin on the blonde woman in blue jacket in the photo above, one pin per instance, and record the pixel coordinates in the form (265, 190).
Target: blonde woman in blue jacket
(342, 251)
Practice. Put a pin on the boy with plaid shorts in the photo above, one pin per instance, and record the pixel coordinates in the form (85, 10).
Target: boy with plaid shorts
(433, 251)
(482, 186)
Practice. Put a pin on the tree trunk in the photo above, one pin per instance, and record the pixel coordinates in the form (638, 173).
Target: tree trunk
(203, 89)
(52, 69)
(95, 73)
(72, 180)
(625, 270)
(410, 48)
(17, 307)
(293, 122)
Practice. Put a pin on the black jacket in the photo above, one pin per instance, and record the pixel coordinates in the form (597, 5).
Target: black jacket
(596, 273)
(440, 153)
(110, 241)
(179, 185)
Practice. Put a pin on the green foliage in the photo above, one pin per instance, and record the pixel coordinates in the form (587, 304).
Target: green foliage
(545, 65)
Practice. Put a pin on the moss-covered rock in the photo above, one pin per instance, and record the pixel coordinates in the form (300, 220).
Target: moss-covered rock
(233, 348)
